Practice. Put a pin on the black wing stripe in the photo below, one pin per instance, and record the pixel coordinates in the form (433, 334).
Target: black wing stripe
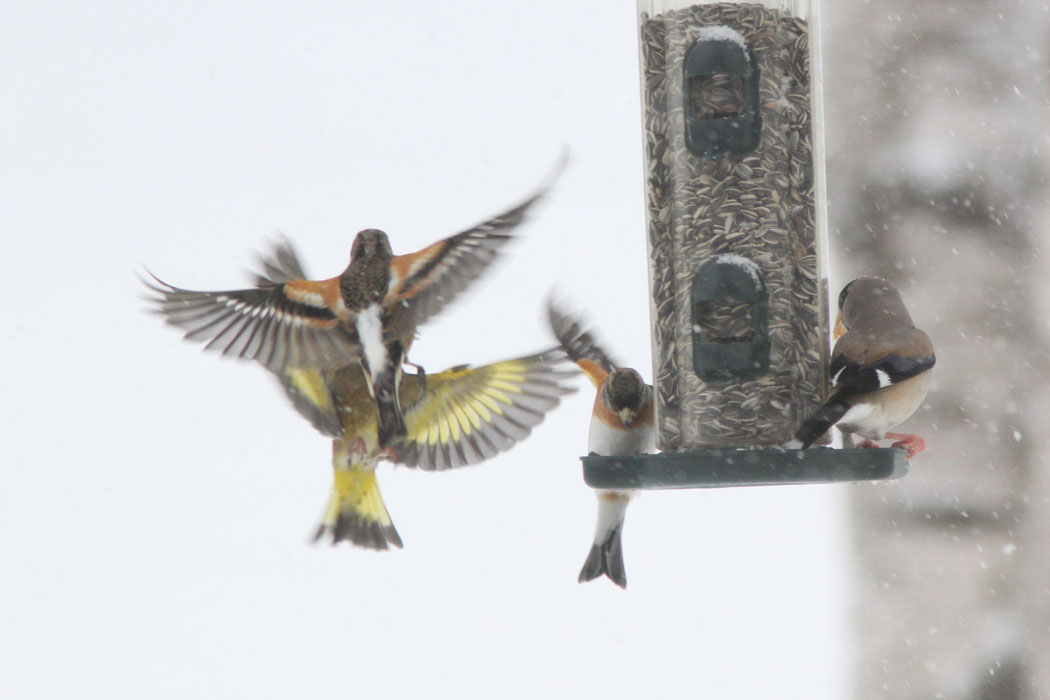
(453, 255)
(210, 315)
(461, 260)
(886, 371)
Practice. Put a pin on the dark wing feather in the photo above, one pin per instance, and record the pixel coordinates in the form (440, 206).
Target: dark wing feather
(467, 415)
(580, 345)
(854, 378)
(425, 281)
(311, 393)
(281, 264)
(262, 324)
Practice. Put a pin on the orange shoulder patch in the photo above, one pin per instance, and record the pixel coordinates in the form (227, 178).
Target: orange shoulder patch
(595, 372)
(403, 267)
(323, 293)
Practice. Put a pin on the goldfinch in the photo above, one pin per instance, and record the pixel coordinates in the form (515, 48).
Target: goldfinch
(455, 418)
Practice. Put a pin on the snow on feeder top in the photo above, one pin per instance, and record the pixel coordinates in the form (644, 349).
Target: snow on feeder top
(735, 211)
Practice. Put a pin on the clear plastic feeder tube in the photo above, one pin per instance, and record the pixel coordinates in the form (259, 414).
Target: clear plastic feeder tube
(734, 177)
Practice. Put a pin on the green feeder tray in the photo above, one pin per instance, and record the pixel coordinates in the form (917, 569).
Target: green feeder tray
(725, 467)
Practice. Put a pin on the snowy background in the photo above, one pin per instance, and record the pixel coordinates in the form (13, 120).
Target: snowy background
(157, 502)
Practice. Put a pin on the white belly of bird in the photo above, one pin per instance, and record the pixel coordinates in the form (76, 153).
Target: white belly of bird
(876, 414)
(612, 506)
(606, 440)
(370, 334)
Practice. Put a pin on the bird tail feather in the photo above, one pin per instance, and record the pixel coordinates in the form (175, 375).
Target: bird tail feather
(356, 512)
(606, 557)
(821, 421)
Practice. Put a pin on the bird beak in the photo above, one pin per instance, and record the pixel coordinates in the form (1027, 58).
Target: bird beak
(626, 416)
(840, 329)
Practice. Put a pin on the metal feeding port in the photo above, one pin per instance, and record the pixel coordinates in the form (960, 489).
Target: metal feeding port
(738, 286)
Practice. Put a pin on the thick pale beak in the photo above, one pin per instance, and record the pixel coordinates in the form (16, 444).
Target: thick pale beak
(626, 416)
(840, 329)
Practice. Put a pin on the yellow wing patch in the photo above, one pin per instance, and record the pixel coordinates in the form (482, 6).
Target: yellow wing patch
(468, 415)
(311, 385)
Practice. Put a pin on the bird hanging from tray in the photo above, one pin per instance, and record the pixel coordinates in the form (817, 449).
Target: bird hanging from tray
(368, 314)
(880, 368)
(621, 424)
(455, 418)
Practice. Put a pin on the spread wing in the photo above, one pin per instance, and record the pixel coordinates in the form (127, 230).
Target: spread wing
(853, 377)
(580, 345)
(280, 325)
(281, 264)
(309, 389)
(467, 415)
(422, 283)
(311, 392)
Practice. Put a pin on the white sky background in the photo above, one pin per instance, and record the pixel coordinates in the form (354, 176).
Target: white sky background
(156, 502)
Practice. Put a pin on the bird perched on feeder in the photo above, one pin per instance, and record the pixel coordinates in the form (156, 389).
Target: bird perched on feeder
(455, 418)
(880, 368)
(369, 313)
(621, 424)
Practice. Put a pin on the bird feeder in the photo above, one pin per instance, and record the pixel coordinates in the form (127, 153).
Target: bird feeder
(734, 186)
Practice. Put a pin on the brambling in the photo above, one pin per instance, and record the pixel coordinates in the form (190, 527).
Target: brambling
(621, 424)
(880, 368)
(368, 314)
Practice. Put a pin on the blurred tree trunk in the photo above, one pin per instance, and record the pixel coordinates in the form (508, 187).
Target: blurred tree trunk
(938, 149)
